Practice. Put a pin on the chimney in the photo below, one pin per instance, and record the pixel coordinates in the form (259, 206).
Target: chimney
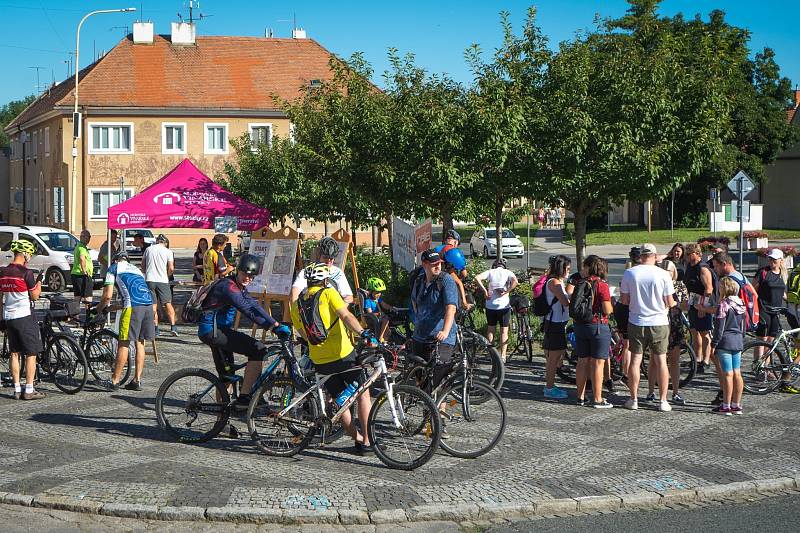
(298, 33)
(142, 33)
(183, 33)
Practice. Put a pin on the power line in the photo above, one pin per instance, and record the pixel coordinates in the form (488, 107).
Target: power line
(34, 49)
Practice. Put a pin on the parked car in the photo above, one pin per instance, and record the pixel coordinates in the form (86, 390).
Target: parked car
(484, 242)
(149, 238)
(53, 258)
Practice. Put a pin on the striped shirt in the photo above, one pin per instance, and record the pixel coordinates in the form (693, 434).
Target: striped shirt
(15, 282)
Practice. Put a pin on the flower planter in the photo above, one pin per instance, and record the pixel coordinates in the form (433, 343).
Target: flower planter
(755, 244)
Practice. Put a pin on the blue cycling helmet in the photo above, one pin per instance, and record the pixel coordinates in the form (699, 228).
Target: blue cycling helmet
(456, 258)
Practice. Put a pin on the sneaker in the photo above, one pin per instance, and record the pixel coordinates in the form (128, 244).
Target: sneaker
(718, 399)
(677, 399)
(737, 410)
(362, 449)
(555, 394)
(17, 395)
(631, 404)
(444, 435)
(664, 407)
(722, 410)
(701, 368)
(242, 402)
(789, 389)
(602, 405)
(107, 384)
(580, 402)
(609, 383)
(35, 395)
(157, 332)
(133, 385)
(174, 332)
(232, 432)
(651, 397)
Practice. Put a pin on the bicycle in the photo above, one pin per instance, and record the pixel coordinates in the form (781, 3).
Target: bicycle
(773, 366)
(284, 416)
(484, 358)
(522, 330)
(62, 360)
(473, 413)
(194, 405)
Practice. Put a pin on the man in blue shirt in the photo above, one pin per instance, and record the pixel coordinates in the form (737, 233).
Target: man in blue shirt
(434, 298)
(136, 317)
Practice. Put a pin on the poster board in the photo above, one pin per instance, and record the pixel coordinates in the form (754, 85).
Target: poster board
(404, 249)
(423, 234)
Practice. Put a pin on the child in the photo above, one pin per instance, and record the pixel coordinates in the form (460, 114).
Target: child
(728, 340)
(374, 304)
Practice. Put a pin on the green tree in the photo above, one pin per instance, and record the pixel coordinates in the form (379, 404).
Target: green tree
(8, 113)
(630, 114)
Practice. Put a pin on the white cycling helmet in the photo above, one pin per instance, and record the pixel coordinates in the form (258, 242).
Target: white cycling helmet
(317, 272)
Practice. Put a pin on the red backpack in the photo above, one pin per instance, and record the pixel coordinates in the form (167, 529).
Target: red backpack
(749, 297)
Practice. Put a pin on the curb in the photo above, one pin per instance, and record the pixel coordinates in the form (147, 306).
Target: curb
(418, 513)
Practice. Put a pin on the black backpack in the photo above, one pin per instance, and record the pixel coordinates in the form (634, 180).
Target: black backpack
(308, 309)
(582, 301)
(540, 305)
(193, 309)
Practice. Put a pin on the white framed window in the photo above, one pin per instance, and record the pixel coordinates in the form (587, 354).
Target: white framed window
(101, 198)
(260, 133)
(47, 142)
(111, 138)
(216, 138)
(173, 137)
(35, 144)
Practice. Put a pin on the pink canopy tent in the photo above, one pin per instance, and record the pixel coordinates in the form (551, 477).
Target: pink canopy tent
(185, 198)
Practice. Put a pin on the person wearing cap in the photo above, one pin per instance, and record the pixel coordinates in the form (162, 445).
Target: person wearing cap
(701, 284)
(434, 298)
(648, 291)
(770, 284)
(451, 254)
(136, 318)
(158, 263)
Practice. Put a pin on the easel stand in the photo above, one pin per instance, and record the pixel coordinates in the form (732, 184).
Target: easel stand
(348, 253)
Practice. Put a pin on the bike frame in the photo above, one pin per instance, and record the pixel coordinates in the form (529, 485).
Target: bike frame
(781, 339)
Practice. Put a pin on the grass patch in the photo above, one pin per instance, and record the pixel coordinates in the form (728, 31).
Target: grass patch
(638, 235)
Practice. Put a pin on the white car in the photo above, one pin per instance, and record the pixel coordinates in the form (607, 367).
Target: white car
(149, 238)
(53, 258)
(483, 242)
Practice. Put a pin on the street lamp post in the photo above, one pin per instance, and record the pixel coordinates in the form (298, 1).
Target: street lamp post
(76, 127)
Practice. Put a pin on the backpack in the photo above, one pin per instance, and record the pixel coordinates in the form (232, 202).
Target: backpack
(193, 309)
(749, 297)
(793, 286)
(582, 301)
(308, 308)
(538, 287)
(540, 305)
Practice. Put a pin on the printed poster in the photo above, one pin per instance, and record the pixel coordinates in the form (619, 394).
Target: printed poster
(277, 265)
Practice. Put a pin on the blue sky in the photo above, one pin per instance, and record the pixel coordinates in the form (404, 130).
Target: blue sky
(41, 33)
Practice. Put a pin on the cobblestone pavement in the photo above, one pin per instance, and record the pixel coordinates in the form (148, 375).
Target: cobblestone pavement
(104, 450)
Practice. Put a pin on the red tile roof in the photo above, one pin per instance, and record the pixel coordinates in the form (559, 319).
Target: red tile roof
(216, 73)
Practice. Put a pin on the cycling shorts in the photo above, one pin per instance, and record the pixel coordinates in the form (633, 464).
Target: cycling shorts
(498, 316)
(342, 373)
(23, 335)
(228, 341)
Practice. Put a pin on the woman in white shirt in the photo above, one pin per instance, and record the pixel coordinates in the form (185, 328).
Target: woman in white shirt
(555, 323)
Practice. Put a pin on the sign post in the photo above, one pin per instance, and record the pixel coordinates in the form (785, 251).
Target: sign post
(741, 185)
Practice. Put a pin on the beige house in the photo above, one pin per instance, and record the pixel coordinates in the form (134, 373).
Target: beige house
(779, 192)
(147, 104)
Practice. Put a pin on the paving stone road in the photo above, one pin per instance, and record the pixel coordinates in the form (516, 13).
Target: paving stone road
(97, 448)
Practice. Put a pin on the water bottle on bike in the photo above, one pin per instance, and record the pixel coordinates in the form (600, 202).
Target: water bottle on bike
(346, 394)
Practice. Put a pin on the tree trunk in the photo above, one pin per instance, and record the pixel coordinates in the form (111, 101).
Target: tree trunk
(498, 225)
(447, 218)
(325, 225)
(373, 240)
(580, 237)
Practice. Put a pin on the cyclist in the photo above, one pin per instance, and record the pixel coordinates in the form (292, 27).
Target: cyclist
(498, 304)
(215, 327)
(452, 255)
(136, 321)
(327, 251)
(214, 264)
(323, 309)
(20, 289)
(374, 305)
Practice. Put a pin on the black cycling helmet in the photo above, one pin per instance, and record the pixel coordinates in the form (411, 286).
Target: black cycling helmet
(249, 264)
(452, 234)
(500, 262)
(328, 247)
(121, 256)
(635, 253)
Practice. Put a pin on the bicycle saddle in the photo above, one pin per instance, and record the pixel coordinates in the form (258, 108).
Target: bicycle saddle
(416, 359)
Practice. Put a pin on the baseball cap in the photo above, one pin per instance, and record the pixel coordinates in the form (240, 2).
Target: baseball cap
(775, 253)
(431, 256)
(647, 249)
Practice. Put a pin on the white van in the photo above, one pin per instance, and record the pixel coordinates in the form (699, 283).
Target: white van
(54, 247)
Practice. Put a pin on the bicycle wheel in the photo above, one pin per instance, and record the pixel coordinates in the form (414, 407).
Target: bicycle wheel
(292, 432)
(471, 428)
(66, 363)
(568, 368)
(485, 360)
(5, 364)
(527, 339)
(687, 361)
(414, 442)
(192, 405)
(102, 355)
(761, 375)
